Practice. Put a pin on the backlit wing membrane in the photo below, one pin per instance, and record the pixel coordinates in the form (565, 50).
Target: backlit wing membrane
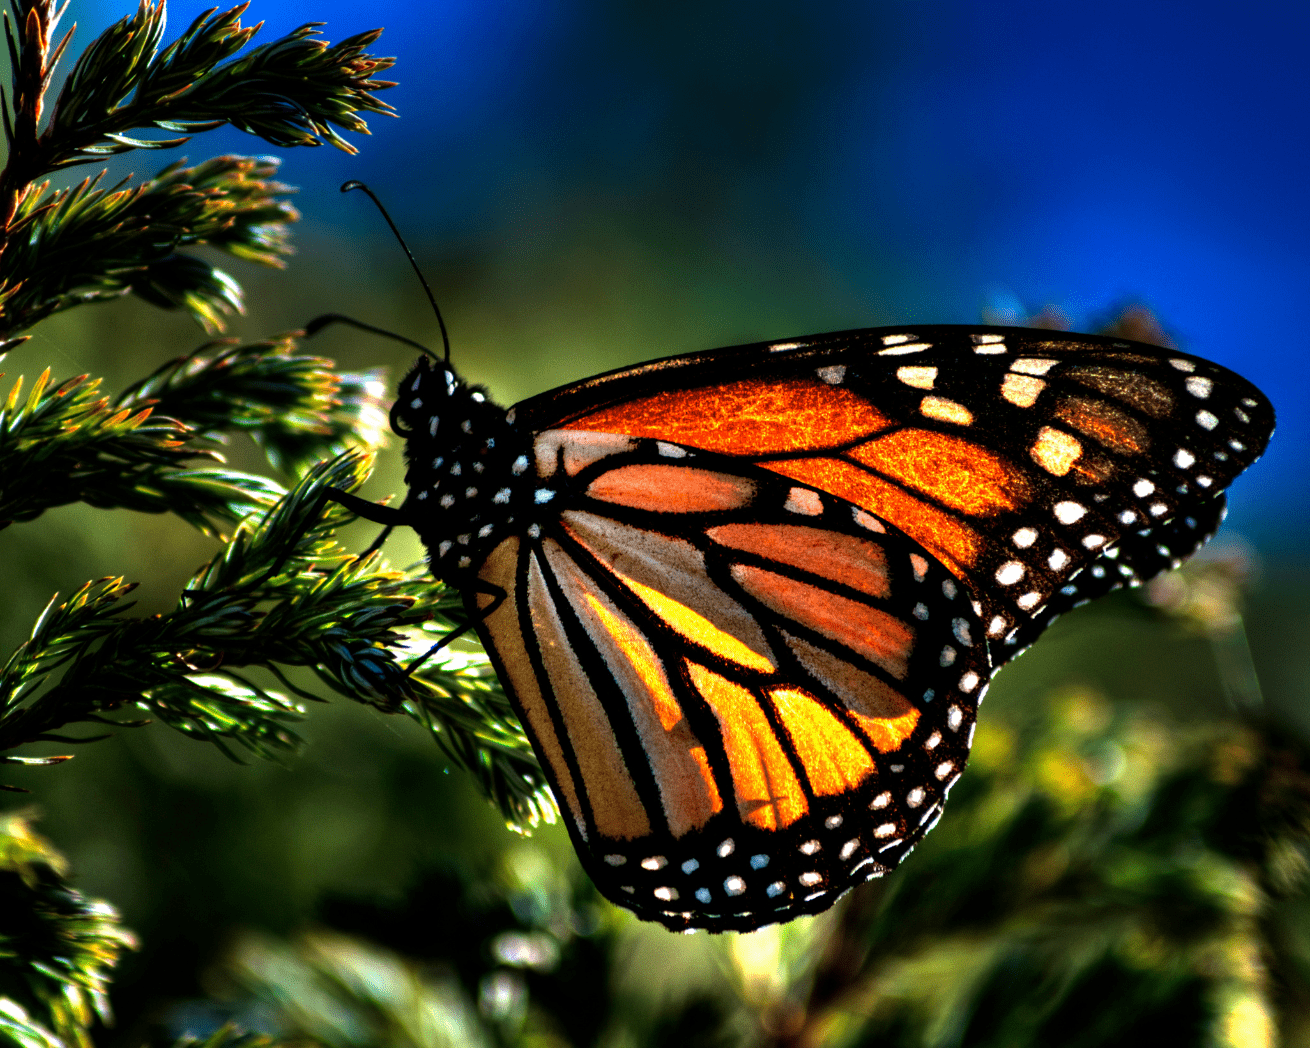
(1041, 469)
(748, 695)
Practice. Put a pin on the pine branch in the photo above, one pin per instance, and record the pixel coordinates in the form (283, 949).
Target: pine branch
(289, 92)
(281, 593)
(298, 408)
(71, 444)
(86, 244)
(68, 444)
(57, 948)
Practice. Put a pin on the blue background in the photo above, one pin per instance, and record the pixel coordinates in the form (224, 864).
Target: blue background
(592, 184)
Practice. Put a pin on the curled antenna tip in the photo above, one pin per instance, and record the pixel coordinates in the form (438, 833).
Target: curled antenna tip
(353, 183)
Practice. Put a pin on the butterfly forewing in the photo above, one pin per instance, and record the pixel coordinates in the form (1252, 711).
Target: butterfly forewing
(1018, 458)
(748, 695)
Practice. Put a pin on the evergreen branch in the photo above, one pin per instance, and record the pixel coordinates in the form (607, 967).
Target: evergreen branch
(289, 92)
(57, 948)
(460, 701)
(230, 1037)
(86, 244)
(28, 35)
(69, 444)
(296, 407)
(282, 592)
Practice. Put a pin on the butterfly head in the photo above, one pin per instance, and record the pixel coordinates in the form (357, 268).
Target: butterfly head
(466, 465)
(434, 406)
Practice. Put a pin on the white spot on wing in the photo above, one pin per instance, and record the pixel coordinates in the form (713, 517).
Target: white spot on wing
(1022, 390)
(804, 501)
(867, 520)
(1069, 512)
(941, 409)
(918, 377)
(1032, 366)
(1010, 572)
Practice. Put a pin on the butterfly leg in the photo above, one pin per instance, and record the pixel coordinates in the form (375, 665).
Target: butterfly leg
(497, 595)
(388, 516)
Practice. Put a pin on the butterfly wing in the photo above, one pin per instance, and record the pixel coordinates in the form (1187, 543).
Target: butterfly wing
(748, 695)
(1023, 460)
(1135, 559)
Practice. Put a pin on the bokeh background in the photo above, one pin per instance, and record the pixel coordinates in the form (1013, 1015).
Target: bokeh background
(589, 184)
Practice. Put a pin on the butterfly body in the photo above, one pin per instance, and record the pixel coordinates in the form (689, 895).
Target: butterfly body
(746, 602)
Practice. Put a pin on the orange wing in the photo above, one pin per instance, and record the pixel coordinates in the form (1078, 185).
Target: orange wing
(748, 695)
(1019, 459)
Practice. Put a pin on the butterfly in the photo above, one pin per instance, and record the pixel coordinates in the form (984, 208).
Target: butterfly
(746, 602)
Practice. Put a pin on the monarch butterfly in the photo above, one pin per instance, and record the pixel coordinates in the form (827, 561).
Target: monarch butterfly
(746, 602)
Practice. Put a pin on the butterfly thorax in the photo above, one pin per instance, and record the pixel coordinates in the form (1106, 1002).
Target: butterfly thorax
(469, 473)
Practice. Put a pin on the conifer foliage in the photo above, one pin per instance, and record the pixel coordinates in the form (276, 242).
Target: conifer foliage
(282, 592)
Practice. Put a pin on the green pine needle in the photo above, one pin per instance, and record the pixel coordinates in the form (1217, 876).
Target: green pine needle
(57, 948)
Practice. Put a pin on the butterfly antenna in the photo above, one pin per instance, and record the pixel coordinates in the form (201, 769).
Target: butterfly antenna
(346, 187)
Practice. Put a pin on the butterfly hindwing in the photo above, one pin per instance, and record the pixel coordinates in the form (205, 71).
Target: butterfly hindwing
(1018, 458)
(748, 695)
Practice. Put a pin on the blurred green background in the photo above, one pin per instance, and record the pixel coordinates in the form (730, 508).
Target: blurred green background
(592, 184)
